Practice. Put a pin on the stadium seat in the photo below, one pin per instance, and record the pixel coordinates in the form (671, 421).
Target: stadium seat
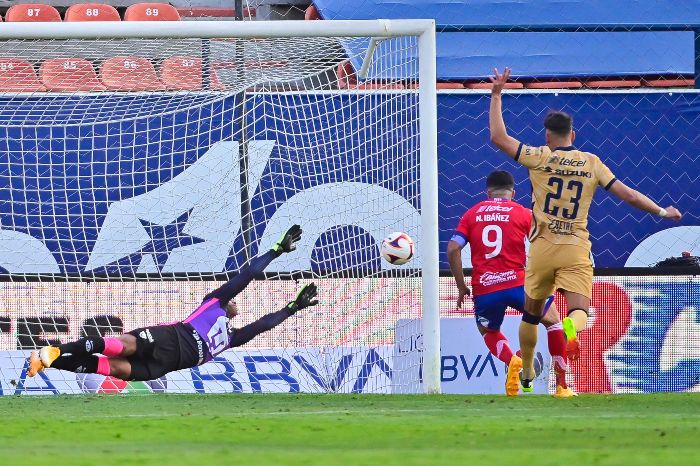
(488, 86)
(151, 12)
(129, 73)
(311, 13)
(91, 12)
(18, 75)
(668, 82)
(69, 74)
(554, 85)
(29, 12)
(183, 73)
(612, 83)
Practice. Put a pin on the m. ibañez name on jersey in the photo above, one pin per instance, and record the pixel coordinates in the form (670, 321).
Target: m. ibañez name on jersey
(494, 278)
(496, 216)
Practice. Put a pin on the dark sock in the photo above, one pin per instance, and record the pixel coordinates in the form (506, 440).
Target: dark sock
(83, 364)
(89, 345)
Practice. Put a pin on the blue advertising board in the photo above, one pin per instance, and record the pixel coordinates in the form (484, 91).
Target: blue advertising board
(87, 186)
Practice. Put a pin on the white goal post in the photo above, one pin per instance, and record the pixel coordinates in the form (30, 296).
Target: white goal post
(33, 38)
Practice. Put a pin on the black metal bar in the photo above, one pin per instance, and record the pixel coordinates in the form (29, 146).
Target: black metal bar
(206, 64)
(246, 221)
(238, 5)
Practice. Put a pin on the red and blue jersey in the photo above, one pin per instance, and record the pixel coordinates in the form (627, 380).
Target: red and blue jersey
(495, 230)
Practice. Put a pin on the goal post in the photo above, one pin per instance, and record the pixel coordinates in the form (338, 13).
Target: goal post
(121, 191)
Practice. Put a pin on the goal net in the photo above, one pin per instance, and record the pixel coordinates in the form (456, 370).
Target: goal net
(144, 165)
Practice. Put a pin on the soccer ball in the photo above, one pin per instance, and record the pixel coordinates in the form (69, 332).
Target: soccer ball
(397, 248)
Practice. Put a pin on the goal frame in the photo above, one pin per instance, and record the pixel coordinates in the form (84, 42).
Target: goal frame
(423, 29)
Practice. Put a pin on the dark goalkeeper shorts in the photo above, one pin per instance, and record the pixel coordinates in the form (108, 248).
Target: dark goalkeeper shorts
(161, 349)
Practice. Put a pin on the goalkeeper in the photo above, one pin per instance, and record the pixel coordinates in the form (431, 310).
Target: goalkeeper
(149, 353)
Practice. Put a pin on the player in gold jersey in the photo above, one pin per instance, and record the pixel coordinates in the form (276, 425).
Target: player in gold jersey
(564, 180)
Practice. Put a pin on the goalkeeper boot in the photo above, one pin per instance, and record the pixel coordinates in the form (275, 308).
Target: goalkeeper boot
(562, 392)
(512, 383)
(573, 346)
(287, 242)
(35, 365)
(48, 354)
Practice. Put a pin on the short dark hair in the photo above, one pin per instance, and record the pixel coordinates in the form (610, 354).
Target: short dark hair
(500, 180)
(560, 123)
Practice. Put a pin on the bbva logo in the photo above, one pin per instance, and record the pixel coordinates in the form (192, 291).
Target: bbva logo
(203, 203)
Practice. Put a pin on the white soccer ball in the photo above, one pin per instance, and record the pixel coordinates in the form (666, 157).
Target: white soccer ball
(397, 248)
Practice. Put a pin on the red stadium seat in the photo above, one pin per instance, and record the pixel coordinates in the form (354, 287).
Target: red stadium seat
(18, 75)
(92, 12)
(183, 73)
(612, 83)
(554, 85)
(312, 13)
(29, 12)
(128, 73)
(69, 74)
(488, 86)
(151, 12)
(668, 82)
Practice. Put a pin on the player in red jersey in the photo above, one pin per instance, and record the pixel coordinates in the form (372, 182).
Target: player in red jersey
(496, 230)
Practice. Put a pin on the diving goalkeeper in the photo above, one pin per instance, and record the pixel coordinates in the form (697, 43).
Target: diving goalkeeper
(149, 353)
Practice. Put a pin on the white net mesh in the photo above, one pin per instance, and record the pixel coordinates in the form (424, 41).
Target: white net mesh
(135, 173)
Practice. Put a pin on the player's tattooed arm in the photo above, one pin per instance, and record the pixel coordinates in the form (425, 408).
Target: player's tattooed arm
(305, 298)
(497, 127)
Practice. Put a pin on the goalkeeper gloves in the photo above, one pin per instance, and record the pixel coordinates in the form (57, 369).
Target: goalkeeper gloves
(288, 241)
(305, 298)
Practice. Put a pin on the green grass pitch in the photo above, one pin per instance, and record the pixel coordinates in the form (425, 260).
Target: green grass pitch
(255, 430)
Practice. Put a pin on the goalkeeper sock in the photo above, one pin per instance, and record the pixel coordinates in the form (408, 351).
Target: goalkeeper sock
(83, 364)
(113, 347)
(498, 345)
(557, 348)
(88, 345)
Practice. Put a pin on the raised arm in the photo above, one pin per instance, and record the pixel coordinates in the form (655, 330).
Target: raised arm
(305, 298)
(497, 127)
(231, 288)
(454, 257)
(642, 202)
